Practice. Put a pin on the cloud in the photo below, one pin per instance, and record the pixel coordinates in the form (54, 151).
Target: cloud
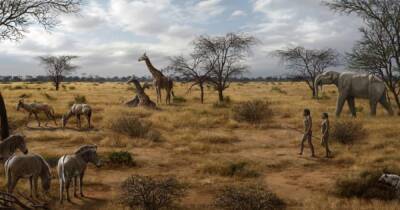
(238, 13)
(110, 35)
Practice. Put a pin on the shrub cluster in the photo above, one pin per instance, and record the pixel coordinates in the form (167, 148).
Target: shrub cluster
(78, 99)
(150, 193)
(255, 111)
(121, 158)
(248, 197)
(365, 185)
(348, 131)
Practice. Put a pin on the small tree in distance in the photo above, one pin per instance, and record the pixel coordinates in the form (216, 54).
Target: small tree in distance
(307, 64)
(223, 56)
(57, 67)
(193, 70)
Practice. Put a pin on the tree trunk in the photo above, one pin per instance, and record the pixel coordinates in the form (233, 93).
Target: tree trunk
(57, 84)
(220, 95)
(5, 131)
(201, 93)
(396, 99)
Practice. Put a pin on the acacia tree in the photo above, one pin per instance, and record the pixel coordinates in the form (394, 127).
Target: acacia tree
(16, 15)
(307, 64)
(194, 70)
(224, 57)
(57, 67)
(378, 52)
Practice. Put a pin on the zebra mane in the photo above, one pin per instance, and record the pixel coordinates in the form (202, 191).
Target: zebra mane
(85, 148)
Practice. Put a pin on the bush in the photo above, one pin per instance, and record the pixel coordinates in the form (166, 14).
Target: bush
(249, 197)
(78, 99)
(151, 194)
(347, 131)
(252, 111)
(278, 90)
(227, 101)
(241, 169)
(121, 158)
(129, 125)
(365, 185)
(52, 161)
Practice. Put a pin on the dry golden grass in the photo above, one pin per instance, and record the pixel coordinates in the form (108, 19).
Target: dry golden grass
(200, 143)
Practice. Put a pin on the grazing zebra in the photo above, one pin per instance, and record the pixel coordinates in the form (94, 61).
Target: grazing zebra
(78, 110)
(73, 166)
(30, 166)
(9, 145)
(35, 109)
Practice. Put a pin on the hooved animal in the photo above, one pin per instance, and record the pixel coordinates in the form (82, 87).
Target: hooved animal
(35, 109)
(9, 145)
(159, 80)
(77, 110)
(72, 167)
(31, 166)
(391, 180)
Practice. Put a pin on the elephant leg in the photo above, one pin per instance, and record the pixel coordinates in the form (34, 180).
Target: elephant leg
(352, 106)
(385, 103)
(372, 104)
(340, 104)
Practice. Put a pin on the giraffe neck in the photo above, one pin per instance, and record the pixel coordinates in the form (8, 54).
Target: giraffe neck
(156, 74)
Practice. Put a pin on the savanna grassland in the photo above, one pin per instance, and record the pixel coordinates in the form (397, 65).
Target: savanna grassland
(205, 148)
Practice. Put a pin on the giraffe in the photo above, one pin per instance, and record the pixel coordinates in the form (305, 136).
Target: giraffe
(159, 80)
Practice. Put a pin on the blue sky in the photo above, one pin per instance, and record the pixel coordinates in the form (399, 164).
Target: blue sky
(109, 35)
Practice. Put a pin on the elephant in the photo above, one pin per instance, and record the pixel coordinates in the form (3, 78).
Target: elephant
(354, 85)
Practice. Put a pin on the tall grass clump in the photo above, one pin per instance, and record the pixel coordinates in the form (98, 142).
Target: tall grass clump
(366, 185)
(248, 197)
(255, 111)
(148, 193)
(347, 131)
(242, 169)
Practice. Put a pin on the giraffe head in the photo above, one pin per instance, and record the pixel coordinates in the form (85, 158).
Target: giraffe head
(143, 57)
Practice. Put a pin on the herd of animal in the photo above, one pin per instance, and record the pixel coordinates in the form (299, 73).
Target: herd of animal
(71, 167)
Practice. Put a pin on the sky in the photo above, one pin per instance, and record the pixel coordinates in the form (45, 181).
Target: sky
(110, 35)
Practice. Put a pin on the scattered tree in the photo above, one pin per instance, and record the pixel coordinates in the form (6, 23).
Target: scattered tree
(378, 52)
(223, 57)
(193, 70)
(57, 67)
(17, 15)
(307, 64)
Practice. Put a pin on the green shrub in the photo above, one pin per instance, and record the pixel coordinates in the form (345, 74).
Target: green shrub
(248, 197)
(365, 185)
(148, 193)
(52, 161)
(121, 158)
(255, 111)
(347, 131)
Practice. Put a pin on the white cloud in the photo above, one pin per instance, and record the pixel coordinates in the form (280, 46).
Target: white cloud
(238, 13)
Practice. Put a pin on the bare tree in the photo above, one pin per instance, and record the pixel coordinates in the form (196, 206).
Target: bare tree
(193, 70)
(57, 67)
(224, 57)
(378, 52)
(16, 15)
(307, 64)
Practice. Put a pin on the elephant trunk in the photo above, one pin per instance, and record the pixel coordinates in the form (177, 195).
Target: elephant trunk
(317, 83)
